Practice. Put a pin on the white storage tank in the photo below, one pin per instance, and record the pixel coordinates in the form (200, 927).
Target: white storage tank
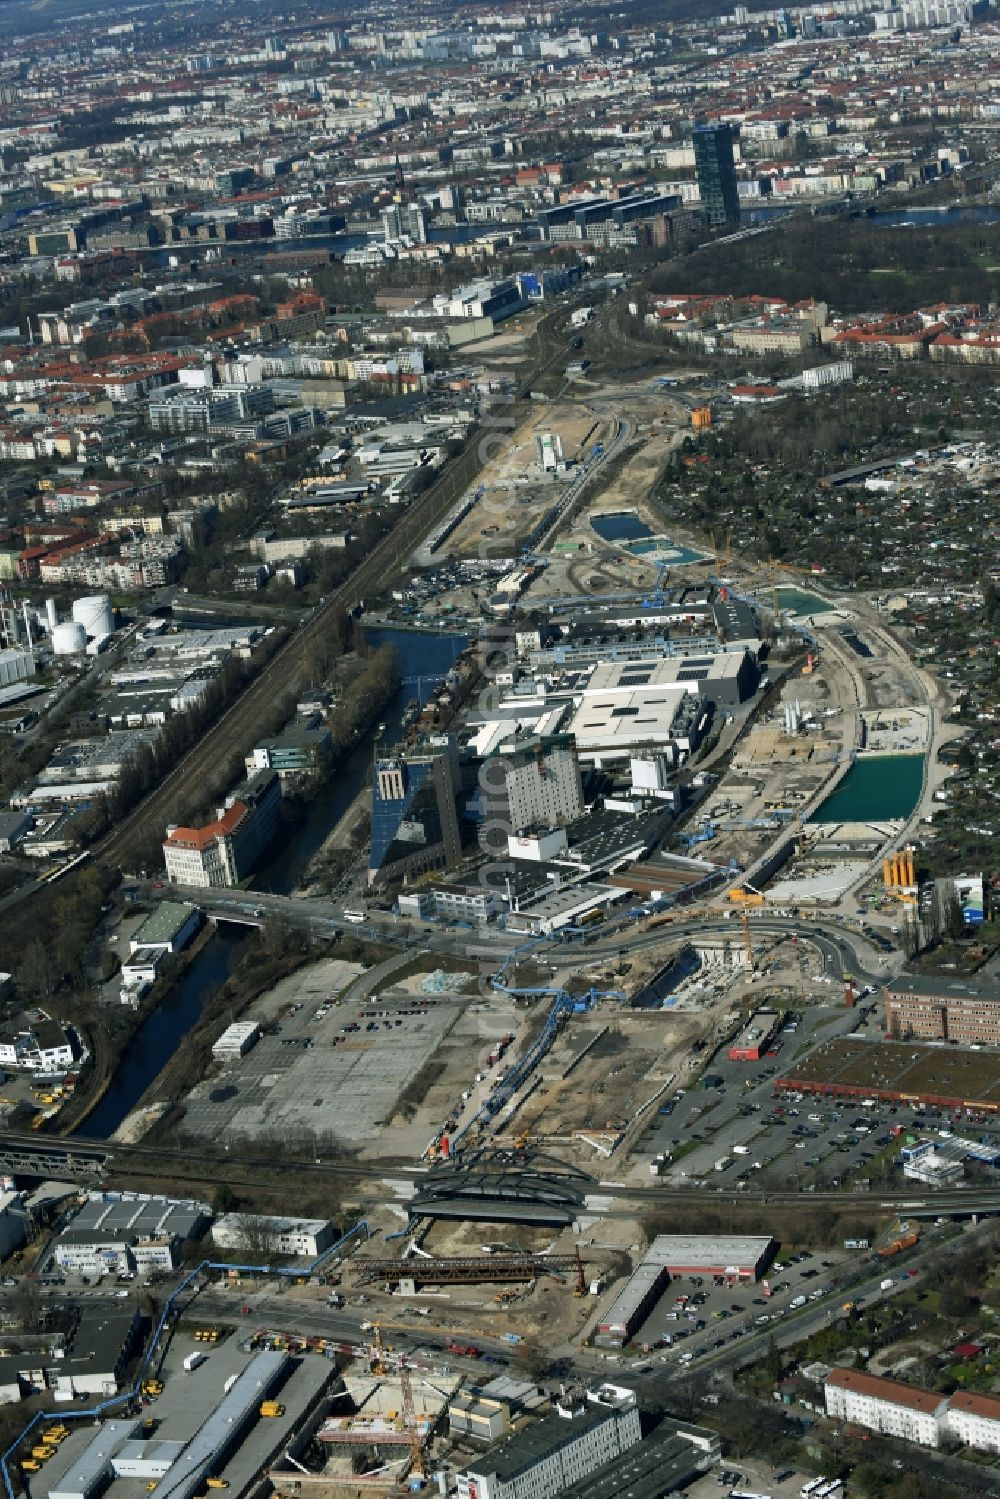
(69, 638)
(95, 614)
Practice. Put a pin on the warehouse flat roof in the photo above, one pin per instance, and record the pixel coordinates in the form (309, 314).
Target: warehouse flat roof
(932, 986)
(252, 1386)
(707, 1250)
(626, 1305)
(660, 1465)
(906, 1069)
(113, 1217)
(163, 924)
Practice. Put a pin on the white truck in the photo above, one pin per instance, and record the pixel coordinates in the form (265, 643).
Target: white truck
(886, 1285)
(741, 1150)
(723, 1162)
(193, 1360)
(581, 317)
(796, 1302)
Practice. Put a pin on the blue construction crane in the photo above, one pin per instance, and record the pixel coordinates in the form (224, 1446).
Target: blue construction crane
(657, 598)
(706, 834)
(563, 1003)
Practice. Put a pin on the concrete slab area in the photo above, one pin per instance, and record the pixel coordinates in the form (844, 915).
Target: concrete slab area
(322, 1082)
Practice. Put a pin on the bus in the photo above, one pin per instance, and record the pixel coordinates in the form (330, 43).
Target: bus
(810, 1489)
(355, 916)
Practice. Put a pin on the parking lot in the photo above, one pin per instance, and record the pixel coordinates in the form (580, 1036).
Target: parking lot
(296, 1078)
(700, 1313)
(764, 1141)
(750, 1475)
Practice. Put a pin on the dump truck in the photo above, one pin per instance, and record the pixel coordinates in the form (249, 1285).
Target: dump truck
(272, 1408)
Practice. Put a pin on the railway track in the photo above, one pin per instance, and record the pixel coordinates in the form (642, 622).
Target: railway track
(122, 1161)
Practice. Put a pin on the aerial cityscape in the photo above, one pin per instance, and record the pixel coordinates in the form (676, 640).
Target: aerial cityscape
(499, 765)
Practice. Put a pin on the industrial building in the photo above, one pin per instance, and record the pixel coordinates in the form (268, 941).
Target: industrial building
(178, 1469)
(738, 1259)
(114, 1232)
(966, 1011)
(104, 1341)
(586, 1432)
(306, 1237)
(674, 1455)
(755, 1037)
(223, 852)
(168, 929)
(236, 1040)
(627, 706)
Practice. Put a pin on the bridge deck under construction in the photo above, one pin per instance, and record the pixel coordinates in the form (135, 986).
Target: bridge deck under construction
(476, 1269)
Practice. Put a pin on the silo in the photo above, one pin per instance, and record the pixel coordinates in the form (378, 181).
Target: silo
(51, 616)
(94, 613)
(69, 638)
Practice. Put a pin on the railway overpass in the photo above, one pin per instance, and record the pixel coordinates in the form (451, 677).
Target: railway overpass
(549, 1182)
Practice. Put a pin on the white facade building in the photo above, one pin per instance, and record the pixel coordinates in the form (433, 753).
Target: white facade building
(886, 1406)
(541, 783)
(584, 1434)
(975, 1420)
(306, 1237)
(236, 1040)
(44, 1047)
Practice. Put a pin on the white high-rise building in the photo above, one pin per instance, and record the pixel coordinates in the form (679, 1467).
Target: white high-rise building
(541, 783)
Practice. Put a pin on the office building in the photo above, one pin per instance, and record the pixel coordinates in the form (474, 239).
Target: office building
(404, 221)
(301, 749)
(966, 1011)
(224, 851)
(716, 173)
(42, 1046)
(415, 823)
(303, 1237)
(587, 1431)
(182, 408)
(124, 1233)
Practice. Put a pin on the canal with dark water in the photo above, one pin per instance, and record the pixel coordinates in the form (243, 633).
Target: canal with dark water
(423, 659)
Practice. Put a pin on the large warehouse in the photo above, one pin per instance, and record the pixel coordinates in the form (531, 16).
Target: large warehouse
(898, 1072)
(678, 1254)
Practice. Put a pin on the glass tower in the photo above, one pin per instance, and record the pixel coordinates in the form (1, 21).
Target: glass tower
(713, 164)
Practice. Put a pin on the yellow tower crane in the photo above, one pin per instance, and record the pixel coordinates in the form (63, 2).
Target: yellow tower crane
(747, 944)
